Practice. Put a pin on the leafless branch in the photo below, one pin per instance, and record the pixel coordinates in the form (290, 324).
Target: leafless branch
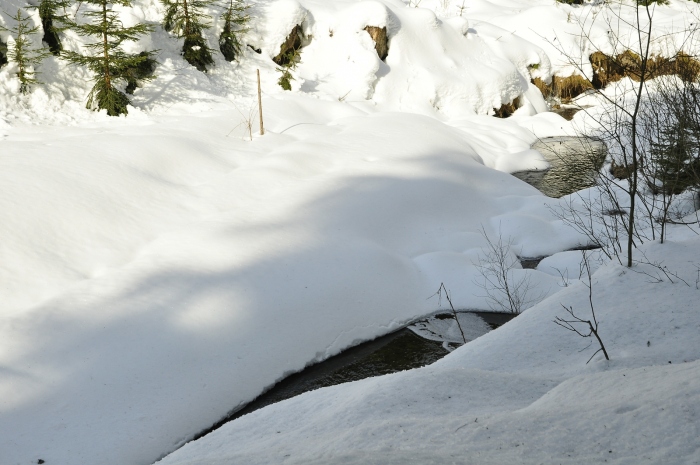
(574, 323)
(439, 292)
(503, 291)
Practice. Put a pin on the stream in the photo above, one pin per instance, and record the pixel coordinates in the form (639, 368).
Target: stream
(574, 163)
(416, 345)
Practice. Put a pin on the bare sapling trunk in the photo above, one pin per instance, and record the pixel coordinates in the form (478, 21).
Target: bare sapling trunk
(496, 264)
(439, 292)
(573, 322)
(260, 111)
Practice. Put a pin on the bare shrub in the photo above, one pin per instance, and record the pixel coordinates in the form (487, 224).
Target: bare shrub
(574, 323)
(504, 292)
(640, 130)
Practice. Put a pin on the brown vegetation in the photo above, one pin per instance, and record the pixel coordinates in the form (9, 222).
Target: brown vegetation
(290, 46)
(507, 109)
(623, 171)
(607, 69)
(565, 88)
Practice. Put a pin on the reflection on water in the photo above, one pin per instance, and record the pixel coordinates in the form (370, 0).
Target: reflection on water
(406, 351)
(575, 162)
(567, 112)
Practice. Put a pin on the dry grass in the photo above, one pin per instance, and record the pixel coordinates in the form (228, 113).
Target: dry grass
(564, 88)
(608, 69)
(571, 86)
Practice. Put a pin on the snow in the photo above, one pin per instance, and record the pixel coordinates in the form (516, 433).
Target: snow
(441, 329)
(160, 269)
(521, 393)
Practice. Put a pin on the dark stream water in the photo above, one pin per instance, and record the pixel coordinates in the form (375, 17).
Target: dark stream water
(574, 161)
(398, 351)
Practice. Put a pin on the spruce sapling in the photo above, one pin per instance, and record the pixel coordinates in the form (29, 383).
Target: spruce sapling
(105, 58)
(235, 19)
(21, 52)
(186, 20)
(291, 60)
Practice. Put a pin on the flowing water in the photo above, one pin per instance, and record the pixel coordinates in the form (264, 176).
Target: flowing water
(575, 162)
(417, 345)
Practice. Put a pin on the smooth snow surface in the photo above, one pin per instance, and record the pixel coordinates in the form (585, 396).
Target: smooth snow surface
(160, 269)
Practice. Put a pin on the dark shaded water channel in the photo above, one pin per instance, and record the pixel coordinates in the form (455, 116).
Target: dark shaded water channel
(398, 351)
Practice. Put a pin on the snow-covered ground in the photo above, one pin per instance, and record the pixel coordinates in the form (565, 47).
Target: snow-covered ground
(520, 394)
(160, 269)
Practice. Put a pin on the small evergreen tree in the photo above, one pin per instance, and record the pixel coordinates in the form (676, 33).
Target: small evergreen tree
(105, 58)
(22, 53)
(291, 60)
(674, 158)
(54, 19)
(186, 20)
(235, 19)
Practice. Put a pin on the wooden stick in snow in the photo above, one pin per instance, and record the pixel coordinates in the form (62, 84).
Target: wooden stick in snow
(262, 129)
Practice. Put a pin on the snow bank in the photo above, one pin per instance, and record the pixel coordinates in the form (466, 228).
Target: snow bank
(160, 269)
(522, 393)
(439, 68)
(152, 287)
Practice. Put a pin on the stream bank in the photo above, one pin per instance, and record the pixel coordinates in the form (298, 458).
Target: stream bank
(401, 350)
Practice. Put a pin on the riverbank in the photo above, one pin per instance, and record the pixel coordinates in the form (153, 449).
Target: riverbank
(163, 268)
(523, 393)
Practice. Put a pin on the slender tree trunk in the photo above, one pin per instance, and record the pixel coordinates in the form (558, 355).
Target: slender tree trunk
(107, 76)
(187, 31)
(636, 163)
(262, 129)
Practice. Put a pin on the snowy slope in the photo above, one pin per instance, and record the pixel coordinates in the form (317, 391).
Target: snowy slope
(521, 394)
(209, 263)
(160, 269)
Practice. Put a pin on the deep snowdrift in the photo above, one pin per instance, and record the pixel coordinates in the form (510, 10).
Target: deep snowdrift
(160, 269)
(161, 289)
(520, 394)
